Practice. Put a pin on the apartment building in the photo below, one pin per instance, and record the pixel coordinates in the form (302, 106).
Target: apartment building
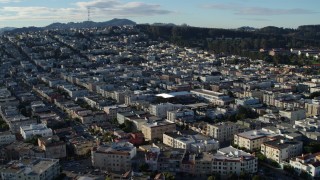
(53, 147)
(157, 129)
(195, 143)
(35, 169)
(216, 98)
(31, 130)
(230, 160)
(309, 163)
(114, 157)
(181, 114)
(312, 107)
(252, 140)
(14, 118)
(81, 146)
(293, 114)
(223, 131)
(161, 110)
(280, 149)
(112, 111)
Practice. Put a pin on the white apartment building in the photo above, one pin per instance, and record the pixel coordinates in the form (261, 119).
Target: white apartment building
(33, 169)
(160, 110)
(114, 157)
(216, 98)
(183, 114)
(252, 140)
(280, 149)
(194, 143)
(31, 130)
(230, 160)
(7, 138)
(309, 163)
(223, 131)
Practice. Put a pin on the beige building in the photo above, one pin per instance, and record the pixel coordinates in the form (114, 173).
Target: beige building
(222, 131)
(312, 107)
(113, 157)
(112, 111)
(53, 147)
(81, 146)
(280, 149)
(157, 129)
(251, 140)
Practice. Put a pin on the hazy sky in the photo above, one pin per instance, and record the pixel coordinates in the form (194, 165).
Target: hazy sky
(204, 13)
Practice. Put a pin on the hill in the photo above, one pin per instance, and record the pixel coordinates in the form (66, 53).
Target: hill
(85, 24)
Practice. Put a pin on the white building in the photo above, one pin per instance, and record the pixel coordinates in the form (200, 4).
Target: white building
(7, 138)
(183, 114)
(308, 163)
(114, 157)
(194, 143)
(160, 110)
(216, 98)
(29, 131)
(293, 114)
(230, 160)
(249, 101)
(33, 169)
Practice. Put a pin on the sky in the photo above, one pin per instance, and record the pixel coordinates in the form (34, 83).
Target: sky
(200, 13)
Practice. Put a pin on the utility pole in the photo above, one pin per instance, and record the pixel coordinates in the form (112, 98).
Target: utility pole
(89, 13)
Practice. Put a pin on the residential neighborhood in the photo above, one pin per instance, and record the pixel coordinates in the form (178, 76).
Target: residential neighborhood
(114, 103)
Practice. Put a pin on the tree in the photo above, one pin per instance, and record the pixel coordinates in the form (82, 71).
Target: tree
(305, 175)
(127, 126)
(314, 94)
(168, 176)
(256, 177)
(144, 167)
(311, 147)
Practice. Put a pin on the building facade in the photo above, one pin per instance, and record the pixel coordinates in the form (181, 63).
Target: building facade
(251, 140)
(31, 130)
(35, 169)
(157, 129)
(222, 131)
(113, 157)
(280, 149)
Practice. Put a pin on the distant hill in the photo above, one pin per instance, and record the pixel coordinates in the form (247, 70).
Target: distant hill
(6, 29)
(91, 24)
(246, 28)
(85, 24)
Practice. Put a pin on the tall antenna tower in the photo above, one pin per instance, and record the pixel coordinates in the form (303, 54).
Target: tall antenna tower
(89, 13)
